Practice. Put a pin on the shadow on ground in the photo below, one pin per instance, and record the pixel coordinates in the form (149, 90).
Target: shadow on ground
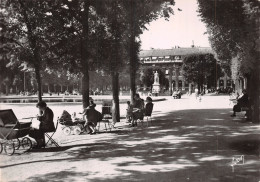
(188, 145)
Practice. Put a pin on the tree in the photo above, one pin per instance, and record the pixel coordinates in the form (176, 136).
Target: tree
(111, 51)
(23, 34)
(236, 38)
(139, 13)
(199, 67)
(77, 35)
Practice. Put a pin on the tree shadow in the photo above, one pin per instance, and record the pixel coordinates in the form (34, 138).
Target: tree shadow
(186, 145)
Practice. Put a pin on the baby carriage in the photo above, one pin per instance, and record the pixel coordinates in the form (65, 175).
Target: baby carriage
(12, 133)
(71, 125)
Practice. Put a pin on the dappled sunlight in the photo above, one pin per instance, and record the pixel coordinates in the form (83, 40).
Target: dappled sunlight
(214, 119)
(211, 158)
(184, 145)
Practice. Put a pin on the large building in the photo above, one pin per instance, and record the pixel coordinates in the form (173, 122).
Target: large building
(171, 60)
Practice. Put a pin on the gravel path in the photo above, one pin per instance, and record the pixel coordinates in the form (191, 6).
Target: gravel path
(187, 141)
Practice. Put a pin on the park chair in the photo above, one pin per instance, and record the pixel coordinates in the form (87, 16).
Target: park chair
(107, 114)
(148, 113)
(49, 136)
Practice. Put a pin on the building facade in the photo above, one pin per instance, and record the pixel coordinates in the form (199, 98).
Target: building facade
(170, 62)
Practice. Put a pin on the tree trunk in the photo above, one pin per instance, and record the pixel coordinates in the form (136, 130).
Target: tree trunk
(84, 55)
(176, 78)
(115, 100)
(133, 52)
(255, 96)
(33, 45)
(6, 89)
(133, 63)
(39, 83)
(132, 82)
(85, 89)
(170, 81)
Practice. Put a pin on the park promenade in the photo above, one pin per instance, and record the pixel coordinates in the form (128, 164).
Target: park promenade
(188, 140)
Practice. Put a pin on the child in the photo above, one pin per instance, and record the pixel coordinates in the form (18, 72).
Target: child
(129, 112)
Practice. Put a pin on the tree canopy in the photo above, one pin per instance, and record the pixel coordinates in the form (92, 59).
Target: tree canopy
(201, 69)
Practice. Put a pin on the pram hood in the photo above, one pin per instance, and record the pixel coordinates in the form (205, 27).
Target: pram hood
(65, 115)
(7, 117)
(10, 128)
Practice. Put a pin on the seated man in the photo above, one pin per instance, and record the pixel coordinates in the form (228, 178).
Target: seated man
(46, 124)
(241, 102)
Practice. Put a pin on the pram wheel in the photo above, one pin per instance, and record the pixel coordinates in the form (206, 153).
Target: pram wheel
(77, 130)
(67, 130)
(1, 148)
(16, 143)
(26, 143)
(9, 148)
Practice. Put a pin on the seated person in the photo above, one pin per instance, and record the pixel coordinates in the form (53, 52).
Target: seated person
(242, 101)
(92, 117)
(138, 108)
(46, 124)
(129, 112)
(148, 107)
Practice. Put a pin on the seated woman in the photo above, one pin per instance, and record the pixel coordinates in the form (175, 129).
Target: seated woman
(148, 107)
(92, 117)
(46, 124)
(241, 102)
(138, 108)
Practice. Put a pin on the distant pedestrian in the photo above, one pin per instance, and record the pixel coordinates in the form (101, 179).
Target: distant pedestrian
(129, 112)
(196, 93)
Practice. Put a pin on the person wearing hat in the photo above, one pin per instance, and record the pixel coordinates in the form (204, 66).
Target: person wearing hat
(46, 124)
(92, 116)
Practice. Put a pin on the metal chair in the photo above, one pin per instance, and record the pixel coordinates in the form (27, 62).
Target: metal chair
(49, 135)
(107, 114)
(148, 112)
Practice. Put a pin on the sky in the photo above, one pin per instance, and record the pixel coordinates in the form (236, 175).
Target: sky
(182, 28)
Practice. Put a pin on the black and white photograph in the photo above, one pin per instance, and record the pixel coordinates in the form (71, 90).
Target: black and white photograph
(129, 90)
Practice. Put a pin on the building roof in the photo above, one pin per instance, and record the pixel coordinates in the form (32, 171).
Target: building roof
(173, 52)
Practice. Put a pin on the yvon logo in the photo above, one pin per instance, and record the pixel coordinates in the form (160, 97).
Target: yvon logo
(238, 160)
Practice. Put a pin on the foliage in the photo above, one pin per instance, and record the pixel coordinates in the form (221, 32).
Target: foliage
(201, 68)
(138, 15)
(232, 30)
